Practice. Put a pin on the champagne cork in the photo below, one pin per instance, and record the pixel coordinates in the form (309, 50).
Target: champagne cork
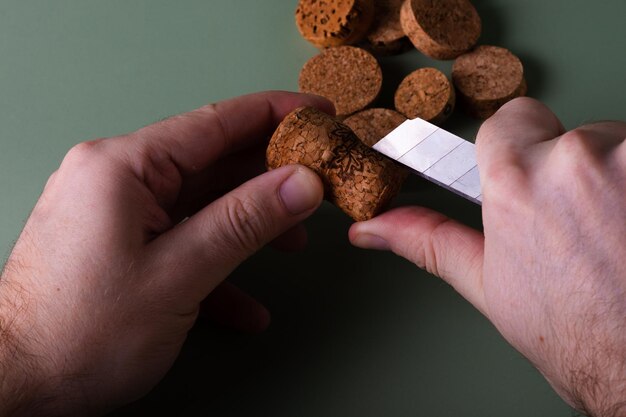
(426, 93)
(372, 125)
(348, 76)
(441, 29)
(486, 78)
(386, 36)
(327, 23)
(357, 179)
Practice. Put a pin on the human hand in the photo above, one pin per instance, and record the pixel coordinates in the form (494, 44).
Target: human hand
(106, 279)
(549, 269)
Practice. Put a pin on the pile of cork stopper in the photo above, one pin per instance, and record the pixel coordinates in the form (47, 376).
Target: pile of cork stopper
(351, 34)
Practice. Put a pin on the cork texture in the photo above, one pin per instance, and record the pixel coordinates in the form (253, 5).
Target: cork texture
(327, 23)
(386, 36)
(372, 125)
(357, 179)
(441, 29)
(426, 93)
(486, 78)
(348, 76)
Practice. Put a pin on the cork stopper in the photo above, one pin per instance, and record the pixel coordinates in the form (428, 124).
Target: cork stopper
(441, 29)
(357, 179)
(327, 23)
(426, 93)
(486, 78)
(372, 125)
(386, 36)
(348, 76)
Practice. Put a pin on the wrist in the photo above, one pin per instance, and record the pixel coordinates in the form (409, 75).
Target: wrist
(597, 397)
(592, 379)
(22, 372)
(18, 373)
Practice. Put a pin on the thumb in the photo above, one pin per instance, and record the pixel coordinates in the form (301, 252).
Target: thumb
(207, 247)
(442, 246)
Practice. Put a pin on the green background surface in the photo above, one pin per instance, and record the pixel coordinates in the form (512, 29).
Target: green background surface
(354, 333)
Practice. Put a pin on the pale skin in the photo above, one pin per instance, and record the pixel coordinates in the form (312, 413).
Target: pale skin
(106, 279)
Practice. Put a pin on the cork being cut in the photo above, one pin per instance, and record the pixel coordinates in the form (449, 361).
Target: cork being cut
(386, 36)
(441, 29)
(426, 93)
(348, 76)
(486, 78)
(327, 23)
(372, 125)
(357, 179)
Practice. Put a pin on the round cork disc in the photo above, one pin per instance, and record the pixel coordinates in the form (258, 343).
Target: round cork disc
(327, 23)
(425, 93)
(348, 76)
(357, 179)
(441, 29)
(386, 36)
(372, 125)
(486, 78)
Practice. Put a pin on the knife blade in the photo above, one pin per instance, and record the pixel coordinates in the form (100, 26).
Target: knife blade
(435, 154)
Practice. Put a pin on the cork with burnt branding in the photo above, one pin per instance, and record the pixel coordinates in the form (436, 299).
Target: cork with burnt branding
(357, 179)
(348, 76)
(426, 93)
(327, 23)
(486, 78)
(372, 125)
(441, 29)
(386, 36)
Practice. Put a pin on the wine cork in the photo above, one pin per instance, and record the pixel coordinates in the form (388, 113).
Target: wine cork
(386, 36)
(486, 78)
(327, 23)
(426, 93)
(348, 76)
(357, 179)
(441, 29)
(372, 125)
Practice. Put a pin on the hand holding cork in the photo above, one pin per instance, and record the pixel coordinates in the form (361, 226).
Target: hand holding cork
(357, 179)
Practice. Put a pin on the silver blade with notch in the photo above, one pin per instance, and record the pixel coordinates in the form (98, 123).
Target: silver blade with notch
(435, 154)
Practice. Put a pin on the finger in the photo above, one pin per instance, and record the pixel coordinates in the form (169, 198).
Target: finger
(442, 246)
(193, 140)
(507, 149)
(518, 125)
(162, 155)
(584, 145)
(208, 246)
(605, 134)
(229, 306)
(224, 175)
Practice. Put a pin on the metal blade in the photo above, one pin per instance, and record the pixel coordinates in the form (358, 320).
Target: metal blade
(435, 154)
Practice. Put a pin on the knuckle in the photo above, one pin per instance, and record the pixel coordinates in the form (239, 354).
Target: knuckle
(487, 130)
(621, 155)
(505, 181)
(83, 149)
(246, 221)
(575, 155)
(430, 248)
(574, 143)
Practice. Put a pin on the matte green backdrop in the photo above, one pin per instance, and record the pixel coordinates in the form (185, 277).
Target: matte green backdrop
(354, 333)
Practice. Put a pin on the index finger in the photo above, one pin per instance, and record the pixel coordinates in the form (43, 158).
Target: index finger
(195, 139)
(518, 124)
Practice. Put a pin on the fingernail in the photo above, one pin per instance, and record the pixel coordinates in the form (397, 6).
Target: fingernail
(301, 192)
(370, 241)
